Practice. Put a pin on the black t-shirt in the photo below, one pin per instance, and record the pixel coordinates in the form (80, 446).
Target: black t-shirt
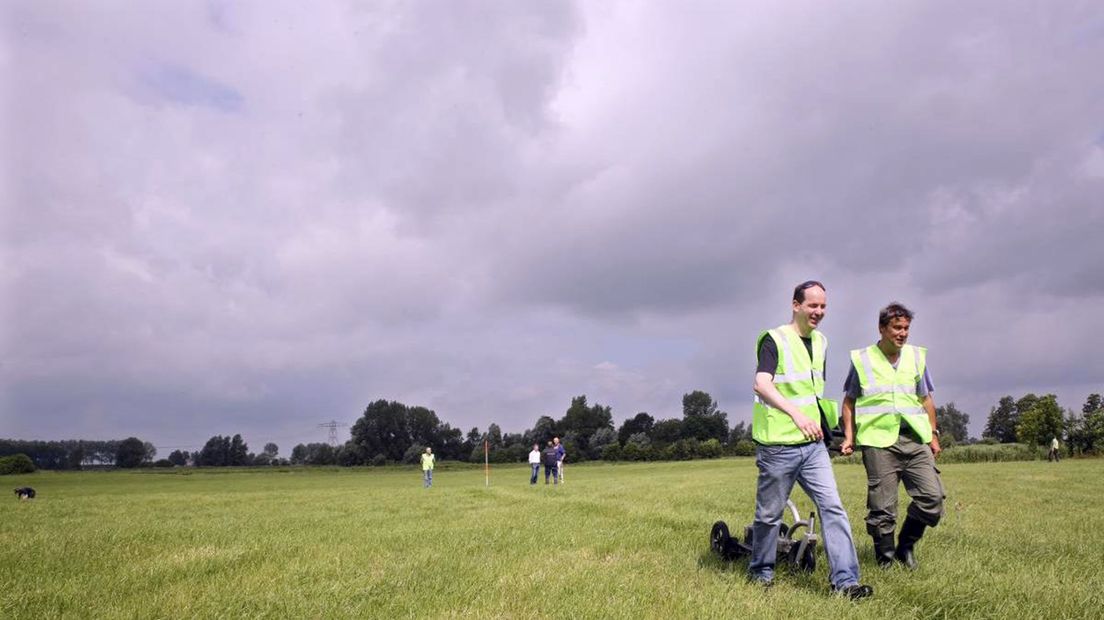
(768, 355)
(768, 363)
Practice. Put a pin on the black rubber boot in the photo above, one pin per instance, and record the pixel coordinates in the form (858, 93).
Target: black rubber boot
(911, 532)
(883, 550)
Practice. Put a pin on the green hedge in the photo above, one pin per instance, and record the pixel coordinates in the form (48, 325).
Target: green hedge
(974, 453)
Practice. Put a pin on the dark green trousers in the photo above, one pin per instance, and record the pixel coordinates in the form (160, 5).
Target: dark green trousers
(912, 463)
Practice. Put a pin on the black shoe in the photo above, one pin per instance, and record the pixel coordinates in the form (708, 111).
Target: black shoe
(883, 550)
(854, 592)
(907, 557)
(911, 532)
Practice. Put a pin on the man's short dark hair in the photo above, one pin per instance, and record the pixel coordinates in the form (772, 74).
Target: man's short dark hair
(894, 310)
(799, 290)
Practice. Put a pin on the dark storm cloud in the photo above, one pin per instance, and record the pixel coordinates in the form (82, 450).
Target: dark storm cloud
(258, 217)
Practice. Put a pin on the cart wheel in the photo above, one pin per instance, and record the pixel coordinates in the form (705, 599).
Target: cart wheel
(719, 539)
(808, 559)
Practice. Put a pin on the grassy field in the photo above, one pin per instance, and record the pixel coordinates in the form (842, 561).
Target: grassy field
(1020, 540)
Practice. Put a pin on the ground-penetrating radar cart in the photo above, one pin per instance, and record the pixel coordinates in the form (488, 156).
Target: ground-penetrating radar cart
(796, 541)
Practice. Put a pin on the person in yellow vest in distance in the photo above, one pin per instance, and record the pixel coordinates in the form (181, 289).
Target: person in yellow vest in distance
(427, 467)
(889, 413)
(788, 425)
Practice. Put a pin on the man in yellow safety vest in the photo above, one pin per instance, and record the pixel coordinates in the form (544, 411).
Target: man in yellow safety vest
(889, 413)
(789, 422)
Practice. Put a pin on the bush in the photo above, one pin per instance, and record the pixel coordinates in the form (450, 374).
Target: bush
(163, 463)
(631, 452)
(744, 447)
(16, 464)
(612, 452)
(379, 459)
(710, 449)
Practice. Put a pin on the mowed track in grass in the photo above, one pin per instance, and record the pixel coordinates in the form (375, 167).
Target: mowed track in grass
(620, 540)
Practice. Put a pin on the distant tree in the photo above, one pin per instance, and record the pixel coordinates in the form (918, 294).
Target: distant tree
(413, 455)
(1092, 403)
(601, 438)
(239, 451)
(131, 453)
(1085, 434)
(583, 420)
(952, 423)
(314, 454)
(701, 420)
(639, 423)
(494, 435)
(543, 431)
(215, 453)
(1042, 422)
(423, 426)
(472, 441)
(383, 429)
(298, 454)
(76, 457)
(271, 450)
(666, 432)
(741, 431)
(450, 443)
(151, 452)
(1003, 418)
(176, 457)
(16, 464)
(640, 440)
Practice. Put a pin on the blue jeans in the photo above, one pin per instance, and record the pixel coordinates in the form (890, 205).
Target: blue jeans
(550, 470)
(428, 476)
(536, 472)
(810, 467)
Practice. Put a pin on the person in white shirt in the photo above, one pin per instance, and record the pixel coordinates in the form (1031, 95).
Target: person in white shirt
(535, 463)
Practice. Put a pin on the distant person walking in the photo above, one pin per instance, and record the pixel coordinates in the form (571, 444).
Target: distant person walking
(889, 413)
(1054, 454)
(428, 461)
(535, 463)
(561, 453)
(550, 456)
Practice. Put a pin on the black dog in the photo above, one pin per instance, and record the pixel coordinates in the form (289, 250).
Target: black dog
(25, 493)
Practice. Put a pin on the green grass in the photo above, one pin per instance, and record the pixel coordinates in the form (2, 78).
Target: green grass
(1020, 540)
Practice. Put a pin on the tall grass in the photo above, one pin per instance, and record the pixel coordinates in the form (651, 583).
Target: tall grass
(974, 453)
(617, 541)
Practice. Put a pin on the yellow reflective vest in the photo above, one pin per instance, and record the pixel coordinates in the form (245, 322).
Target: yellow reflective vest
(800, 379)
(427, 461)
(889, 396)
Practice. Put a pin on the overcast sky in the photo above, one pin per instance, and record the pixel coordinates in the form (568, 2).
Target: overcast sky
(257, 217)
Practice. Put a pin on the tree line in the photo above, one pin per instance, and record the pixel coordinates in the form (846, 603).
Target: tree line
(1035, 420)
(392, 432)
(78, 453)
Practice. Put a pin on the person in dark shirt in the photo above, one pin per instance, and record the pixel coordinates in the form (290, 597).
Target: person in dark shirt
(550, 456)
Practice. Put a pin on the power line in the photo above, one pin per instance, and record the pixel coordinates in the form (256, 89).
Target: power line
(333, 426)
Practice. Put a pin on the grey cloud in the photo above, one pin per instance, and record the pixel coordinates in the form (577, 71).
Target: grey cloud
(490, 208)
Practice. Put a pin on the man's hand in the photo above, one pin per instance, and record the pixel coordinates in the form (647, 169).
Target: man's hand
(810, 429)
(935, 446)
(848, 446)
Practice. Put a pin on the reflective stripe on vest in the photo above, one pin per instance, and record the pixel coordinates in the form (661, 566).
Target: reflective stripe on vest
(889, 396)
(800, 380)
